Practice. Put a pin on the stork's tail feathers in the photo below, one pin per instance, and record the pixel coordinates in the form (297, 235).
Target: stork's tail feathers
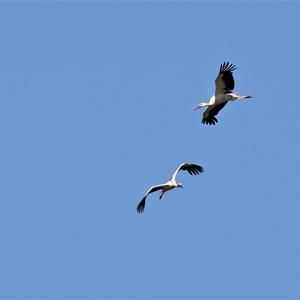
(140, 208)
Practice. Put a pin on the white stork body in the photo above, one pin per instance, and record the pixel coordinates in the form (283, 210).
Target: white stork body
(171, 184)
(223, 93)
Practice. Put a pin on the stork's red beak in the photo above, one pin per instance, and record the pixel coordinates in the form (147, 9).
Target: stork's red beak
(197, 107)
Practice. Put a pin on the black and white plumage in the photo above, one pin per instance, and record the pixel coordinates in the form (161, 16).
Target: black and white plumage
(223, 93)
(171, 184)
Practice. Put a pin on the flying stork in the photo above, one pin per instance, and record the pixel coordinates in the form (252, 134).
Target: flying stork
(171, 184)
(223, 93)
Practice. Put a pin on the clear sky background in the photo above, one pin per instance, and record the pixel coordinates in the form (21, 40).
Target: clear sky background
(97, 105)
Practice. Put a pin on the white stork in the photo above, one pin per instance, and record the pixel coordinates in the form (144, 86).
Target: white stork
(171, 184)
(223, 93)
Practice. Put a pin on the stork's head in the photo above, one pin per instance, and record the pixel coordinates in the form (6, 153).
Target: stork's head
(179, 185)
(200, 105)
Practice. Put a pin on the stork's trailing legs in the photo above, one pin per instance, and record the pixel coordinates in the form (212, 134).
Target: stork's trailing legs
(161, 194)
(236, 96)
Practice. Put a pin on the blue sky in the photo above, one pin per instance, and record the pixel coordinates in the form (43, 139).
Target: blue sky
(97, 105)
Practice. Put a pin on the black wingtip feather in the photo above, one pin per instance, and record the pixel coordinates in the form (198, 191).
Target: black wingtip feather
(210, 121)
(192, 169)
(141, 207)
(211, 118)
(198, 169)
(226, 67)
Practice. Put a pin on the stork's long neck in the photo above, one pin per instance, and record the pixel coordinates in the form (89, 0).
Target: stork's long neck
(211, 101)
(206, 104)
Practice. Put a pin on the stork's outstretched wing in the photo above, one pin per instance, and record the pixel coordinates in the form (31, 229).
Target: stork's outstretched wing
(141, 206)
(224, 81)
(209, 116)
(191, 168)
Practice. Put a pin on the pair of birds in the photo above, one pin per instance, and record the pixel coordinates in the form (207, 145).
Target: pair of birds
(223, 93)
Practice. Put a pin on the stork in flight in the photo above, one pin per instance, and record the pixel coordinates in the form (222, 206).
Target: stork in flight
(223, 93)
(171, 184)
